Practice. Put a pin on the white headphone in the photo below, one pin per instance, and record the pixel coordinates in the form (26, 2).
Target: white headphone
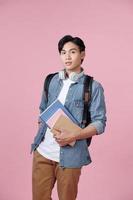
(73, 76)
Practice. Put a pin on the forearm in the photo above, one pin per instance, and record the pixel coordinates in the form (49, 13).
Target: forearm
(86, 132)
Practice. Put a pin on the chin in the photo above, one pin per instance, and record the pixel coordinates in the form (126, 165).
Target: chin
(69, 68)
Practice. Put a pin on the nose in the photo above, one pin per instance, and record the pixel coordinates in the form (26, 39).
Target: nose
(68, 57)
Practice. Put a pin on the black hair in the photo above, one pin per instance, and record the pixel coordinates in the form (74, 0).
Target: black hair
(76, 40)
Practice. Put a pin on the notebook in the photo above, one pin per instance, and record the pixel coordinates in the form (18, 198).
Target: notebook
(53, 112)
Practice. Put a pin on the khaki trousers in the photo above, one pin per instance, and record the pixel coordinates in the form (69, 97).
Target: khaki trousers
(46, 172)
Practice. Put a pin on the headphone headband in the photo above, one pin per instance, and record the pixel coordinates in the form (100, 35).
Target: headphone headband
(72, 76)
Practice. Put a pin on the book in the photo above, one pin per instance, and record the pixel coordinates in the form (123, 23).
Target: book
(52, 113)
(67, 125)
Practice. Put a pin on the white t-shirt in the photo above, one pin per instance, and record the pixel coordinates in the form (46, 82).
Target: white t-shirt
(49, 148)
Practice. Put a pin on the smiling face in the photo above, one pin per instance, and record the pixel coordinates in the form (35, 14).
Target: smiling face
(71, 57)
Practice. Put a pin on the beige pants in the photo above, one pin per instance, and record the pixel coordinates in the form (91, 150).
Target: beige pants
(45, 172)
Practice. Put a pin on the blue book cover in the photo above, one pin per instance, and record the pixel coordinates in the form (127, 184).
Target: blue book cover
(53, 112)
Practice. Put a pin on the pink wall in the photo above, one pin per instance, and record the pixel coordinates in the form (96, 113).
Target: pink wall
(29, 33)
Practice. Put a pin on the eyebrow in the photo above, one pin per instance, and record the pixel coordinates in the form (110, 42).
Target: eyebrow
(69, 49)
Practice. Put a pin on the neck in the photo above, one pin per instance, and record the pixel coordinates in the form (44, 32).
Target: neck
(78, 70)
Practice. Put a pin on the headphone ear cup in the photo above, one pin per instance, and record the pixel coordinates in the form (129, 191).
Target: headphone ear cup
(62, 74)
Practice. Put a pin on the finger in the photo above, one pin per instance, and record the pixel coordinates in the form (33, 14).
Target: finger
(56, 136)
(55, 132)
(63, 144)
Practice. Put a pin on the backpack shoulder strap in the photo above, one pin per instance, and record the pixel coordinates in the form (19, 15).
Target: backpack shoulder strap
(86, 119)
(47, 82)
(86, 97)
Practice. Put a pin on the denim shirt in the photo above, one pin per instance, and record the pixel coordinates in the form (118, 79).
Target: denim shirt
(78, 155)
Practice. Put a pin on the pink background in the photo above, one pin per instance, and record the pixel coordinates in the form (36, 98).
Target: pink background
(29, 33)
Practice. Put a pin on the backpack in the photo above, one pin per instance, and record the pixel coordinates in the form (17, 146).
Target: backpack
(86, 119)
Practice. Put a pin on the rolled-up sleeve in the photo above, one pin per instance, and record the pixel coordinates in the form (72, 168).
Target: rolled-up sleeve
(98, 108)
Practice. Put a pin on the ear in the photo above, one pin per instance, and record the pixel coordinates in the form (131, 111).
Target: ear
(82, 54)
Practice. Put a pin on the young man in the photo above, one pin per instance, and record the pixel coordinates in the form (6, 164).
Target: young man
(54, 159)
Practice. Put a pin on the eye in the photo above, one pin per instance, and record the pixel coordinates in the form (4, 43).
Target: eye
(63, 52)
(73, 51)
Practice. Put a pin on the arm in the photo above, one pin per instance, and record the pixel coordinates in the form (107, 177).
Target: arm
(98, 118)
(97, 112)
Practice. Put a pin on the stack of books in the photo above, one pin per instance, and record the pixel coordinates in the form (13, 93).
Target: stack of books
(57, 117)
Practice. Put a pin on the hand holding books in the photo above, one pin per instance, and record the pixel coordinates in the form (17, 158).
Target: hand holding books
(63, 137)
(65, 131)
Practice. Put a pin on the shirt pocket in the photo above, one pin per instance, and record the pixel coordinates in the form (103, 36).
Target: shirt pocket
(78, 106)
(78, 103)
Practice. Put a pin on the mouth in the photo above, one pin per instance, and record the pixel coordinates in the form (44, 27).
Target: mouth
(68, 63)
